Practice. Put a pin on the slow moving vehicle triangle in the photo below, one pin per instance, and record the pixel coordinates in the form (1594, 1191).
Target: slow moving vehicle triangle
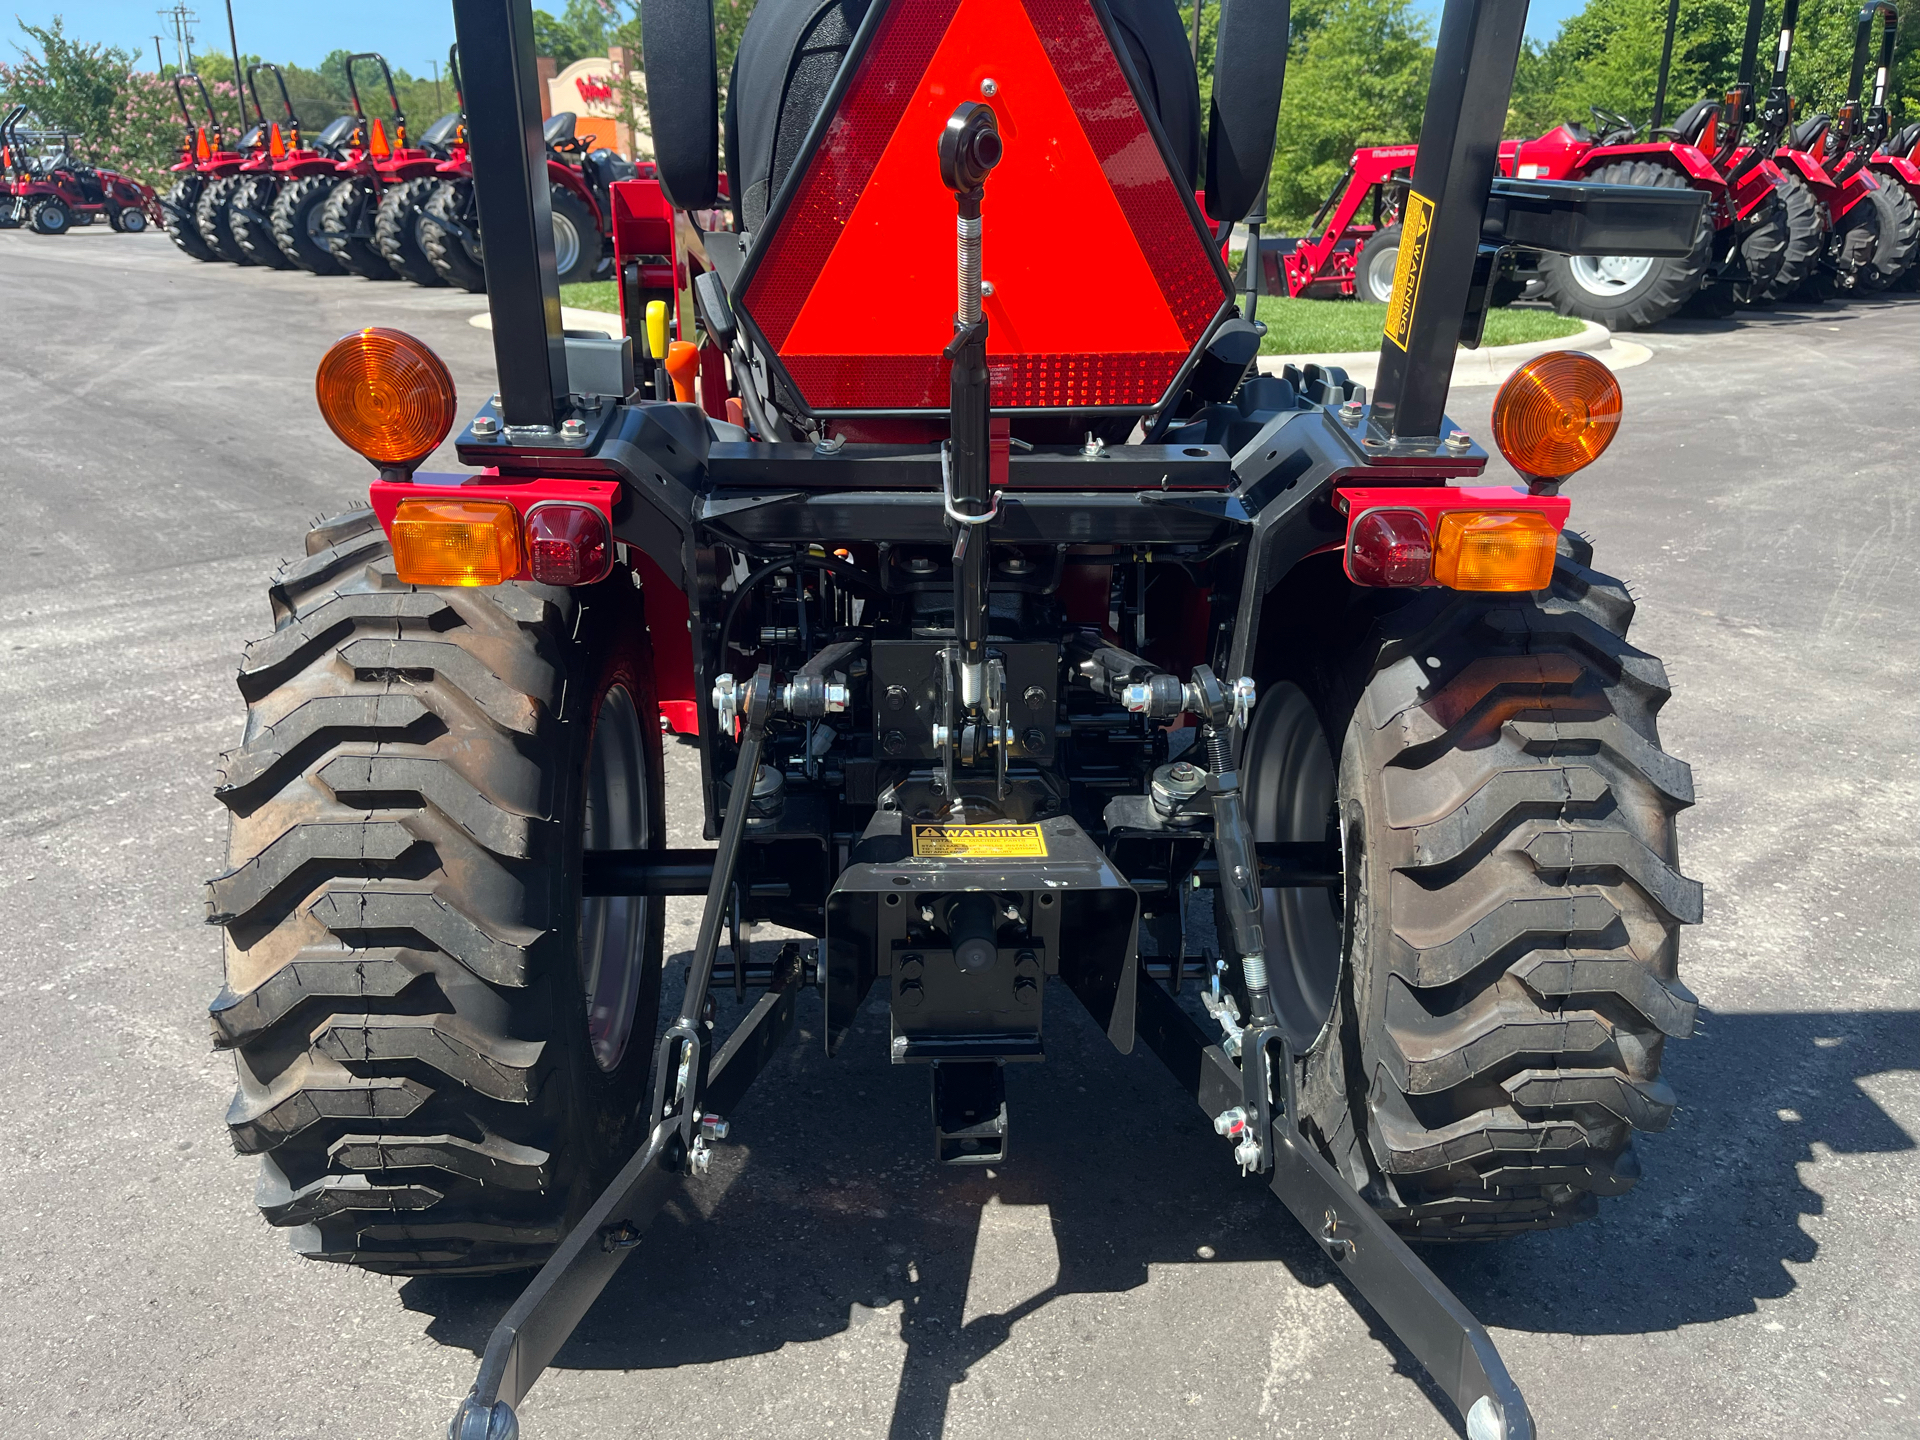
(855, 291)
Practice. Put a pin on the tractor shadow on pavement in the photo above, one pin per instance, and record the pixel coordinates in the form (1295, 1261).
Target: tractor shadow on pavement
(830, 1217)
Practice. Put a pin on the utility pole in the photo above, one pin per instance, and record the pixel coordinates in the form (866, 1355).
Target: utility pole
(159, 57)
(182, 18)
(239, 80)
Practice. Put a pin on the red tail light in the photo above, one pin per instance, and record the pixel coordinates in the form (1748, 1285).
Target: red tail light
(568, 544)
(1390, 547)
(852, 285)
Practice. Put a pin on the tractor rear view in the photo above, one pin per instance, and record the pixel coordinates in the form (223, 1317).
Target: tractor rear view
(1010, 634)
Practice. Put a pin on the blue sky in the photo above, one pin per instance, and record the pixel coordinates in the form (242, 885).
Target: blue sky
(413, 34)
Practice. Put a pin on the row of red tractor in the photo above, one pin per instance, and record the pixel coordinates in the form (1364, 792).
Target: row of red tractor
(365, 196)
(1812, 208)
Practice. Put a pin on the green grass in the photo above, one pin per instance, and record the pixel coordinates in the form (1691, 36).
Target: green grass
(601, 295)
(1319, 327)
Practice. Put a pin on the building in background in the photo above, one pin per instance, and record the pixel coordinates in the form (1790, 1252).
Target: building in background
(607, 97)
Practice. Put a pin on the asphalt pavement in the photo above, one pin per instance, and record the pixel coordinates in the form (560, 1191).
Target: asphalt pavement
(160, 451)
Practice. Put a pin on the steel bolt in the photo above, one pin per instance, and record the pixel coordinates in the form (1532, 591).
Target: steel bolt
(573, 429)
(1035, 739)
(485, 425)
(837, 697)
(911, 994)
(989, 87)
(702, 1156)
(894, 742)
(1230, 1122)
(1185, 771)
(1035, 697)
(1351, 412)
(713, 1127)
(1137, 697)
(1459, 441)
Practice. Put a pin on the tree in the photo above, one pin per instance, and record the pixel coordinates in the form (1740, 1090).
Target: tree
(1609, 55)
(120, 118)
(1357, 73)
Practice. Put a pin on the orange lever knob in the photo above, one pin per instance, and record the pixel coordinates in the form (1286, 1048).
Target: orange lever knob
(683, 364)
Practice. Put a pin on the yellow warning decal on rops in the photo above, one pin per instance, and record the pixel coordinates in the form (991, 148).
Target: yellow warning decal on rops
(979, 842)
(1416, 225)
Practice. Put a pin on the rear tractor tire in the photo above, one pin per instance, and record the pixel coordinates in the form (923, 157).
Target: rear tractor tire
(183, 202)
(396, 230)
(1493, 995)
(213, 216)
(1900, 236)
(299, 213)
(347, 220)
(450, 236)
(1625, 292)
(1373, 270)
(49, 217)
(1807, 230)
(442, 1049)
(250, 218)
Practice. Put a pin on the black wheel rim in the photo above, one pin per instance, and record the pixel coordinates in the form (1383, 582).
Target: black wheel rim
(613, 928)
(1292, 787)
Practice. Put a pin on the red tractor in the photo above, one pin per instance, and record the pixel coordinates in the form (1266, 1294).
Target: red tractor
(1008, 632)
(1898, 161)
(1875, 225)
(53, 191)
(238, 209)
(204, 158)
(374, 162)
(578, 181)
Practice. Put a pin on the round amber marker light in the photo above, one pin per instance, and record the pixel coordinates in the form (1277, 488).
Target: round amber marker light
(1556, 414)
(386, 395)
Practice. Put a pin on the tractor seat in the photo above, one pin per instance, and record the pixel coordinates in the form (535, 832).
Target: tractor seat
(335, 134)
(439, 135)
(559, 130)
(1903, 143)
(1807, 133)
(1692, 123)
(792, 50)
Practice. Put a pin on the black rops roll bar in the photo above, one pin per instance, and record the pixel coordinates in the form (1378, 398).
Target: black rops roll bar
(1441, 255)
(1857, 130)
(286, 101)
(515, 206)
(214, 128)
(393, 95)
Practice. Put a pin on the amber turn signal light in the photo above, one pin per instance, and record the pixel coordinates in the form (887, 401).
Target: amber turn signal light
(386, 395)
(1494, 550)
(1556, 414)
(456, 542)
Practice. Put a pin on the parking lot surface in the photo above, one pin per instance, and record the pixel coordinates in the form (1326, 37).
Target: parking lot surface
(160, 451)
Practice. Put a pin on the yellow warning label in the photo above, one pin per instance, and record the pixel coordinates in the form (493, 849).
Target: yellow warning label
(979, 842)
(1416, 225)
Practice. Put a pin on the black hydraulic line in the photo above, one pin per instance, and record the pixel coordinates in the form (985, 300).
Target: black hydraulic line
(1429, 1319)
(1666, 64)
(831, 564)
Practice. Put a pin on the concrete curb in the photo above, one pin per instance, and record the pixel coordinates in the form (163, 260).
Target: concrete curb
(1489, 366)
(570, 319)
